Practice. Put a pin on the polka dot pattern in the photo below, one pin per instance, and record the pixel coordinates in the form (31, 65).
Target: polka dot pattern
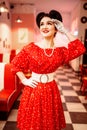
(41, 107)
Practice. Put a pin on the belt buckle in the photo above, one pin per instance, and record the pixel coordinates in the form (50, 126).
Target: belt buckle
(44, 78)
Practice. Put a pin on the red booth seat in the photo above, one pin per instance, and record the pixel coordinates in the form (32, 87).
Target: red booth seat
(7, 57)
(11, 89)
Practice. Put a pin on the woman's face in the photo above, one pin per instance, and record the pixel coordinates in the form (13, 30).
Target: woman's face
(47, 27)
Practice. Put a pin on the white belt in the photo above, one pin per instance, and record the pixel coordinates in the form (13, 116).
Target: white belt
(44, 78)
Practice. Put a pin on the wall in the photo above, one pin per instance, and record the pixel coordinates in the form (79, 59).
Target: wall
(22, 33)
(82, 26)
(5, 30)
(77, 13)
(75, 16)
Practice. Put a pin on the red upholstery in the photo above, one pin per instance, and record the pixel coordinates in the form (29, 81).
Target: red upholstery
(84, 85)
(83, 69)
(11, 56)
(11, 89)
(1, 57)
(9, 77)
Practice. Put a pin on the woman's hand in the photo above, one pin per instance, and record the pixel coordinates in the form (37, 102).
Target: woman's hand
(29, 82)
(59, 25)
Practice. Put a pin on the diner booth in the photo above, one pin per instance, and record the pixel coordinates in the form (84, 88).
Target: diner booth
(10, 89)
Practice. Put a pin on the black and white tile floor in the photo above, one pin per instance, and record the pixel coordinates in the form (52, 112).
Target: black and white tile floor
(74, 103)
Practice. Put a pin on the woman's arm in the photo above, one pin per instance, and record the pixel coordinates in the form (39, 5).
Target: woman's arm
(27, 82)
(20, 75)
(70, 36)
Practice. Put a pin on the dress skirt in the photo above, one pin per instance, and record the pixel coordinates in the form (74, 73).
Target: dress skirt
(41, 108)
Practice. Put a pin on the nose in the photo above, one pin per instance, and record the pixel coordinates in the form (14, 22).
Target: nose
(45, 26)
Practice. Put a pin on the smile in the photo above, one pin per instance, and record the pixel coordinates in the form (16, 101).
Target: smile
(45, 31)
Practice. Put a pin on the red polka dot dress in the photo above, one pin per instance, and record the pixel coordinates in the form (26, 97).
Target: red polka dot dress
(41, 107)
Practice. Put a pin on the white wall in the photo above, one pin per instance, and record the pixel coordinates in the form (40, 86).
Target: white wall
(5, 30)
(76, 25)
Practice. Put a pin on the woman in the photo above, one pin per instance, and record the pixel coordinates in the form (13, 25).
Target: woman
(40, 107)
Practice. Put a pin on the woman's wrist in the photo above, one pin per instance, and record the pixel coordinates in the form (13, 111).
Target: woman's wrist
(65, 31)
(21, 75)
(23, 80)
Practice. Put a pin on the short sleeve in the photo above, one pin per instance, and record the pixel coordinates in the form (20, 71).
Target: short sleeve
(20, 61)
(74, 50)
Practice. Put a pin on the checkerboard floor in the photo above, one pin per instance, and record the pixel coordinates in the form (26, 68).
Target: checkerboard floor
(74, 103)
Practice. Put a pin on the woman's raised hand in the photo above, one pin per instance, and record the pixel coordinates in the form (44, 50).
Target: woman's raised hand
(59, 25)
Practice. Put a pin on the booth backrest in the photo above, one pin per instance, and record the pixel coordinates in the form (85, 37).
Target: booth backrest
(8, 79)
(1, 57)
(7, 57)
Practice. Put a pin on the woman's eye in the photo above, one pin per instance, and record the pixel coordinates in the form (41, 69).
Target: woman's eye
(41, 24)
(50, 23)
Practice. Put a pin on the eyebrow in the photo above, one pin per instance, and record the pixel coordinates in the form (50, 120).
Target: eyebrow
(50, 21)
(47, 21)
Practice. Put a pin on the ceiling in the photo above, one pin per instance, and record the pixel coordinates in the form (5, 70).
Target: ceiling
(46, 5)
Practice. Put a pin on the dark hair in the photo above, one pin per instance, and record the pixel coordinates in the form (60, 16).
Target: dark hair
(52, 14)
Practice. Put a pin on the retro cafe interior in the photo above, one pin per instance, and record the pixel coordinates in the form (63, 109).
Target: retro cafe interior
(17, 28)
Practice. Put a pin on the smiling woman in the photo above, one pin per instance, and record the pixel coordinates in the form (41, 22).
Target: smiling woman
(40, 106)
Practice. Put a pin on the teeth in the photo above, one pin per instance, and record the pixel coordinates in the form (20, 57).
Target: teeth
(45, 31)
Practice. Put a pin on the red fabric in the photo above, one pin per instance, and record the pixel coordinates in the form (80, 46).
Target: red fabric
(84, 84)
(41, 107)
(4, 94)
(1, 57)
(13, 52)
(9, 78)
(6, 99)
(12, 55)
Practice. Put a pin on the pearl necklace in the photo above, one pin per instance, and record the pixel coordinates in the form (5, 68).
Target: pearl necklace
(49, 55)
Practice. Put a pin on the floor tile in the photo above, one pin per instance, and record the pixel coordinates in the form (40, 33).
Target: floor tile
(69, 93)
(76, 88)
(68, 127)
(76, 84)
(82, 99)
(62, 98)
(13, 115)
(64, 106)
(85, 105)
(78, 117)
(67, 117)
(65, 83)
(75, 107)
(10, 126)
(66, 87)
(74, 80)
(80, 127)
(2, 124)
(72, 99)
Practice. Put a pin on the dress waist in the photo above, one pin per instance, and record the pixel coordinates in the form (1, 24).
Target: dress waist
(44, 78)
